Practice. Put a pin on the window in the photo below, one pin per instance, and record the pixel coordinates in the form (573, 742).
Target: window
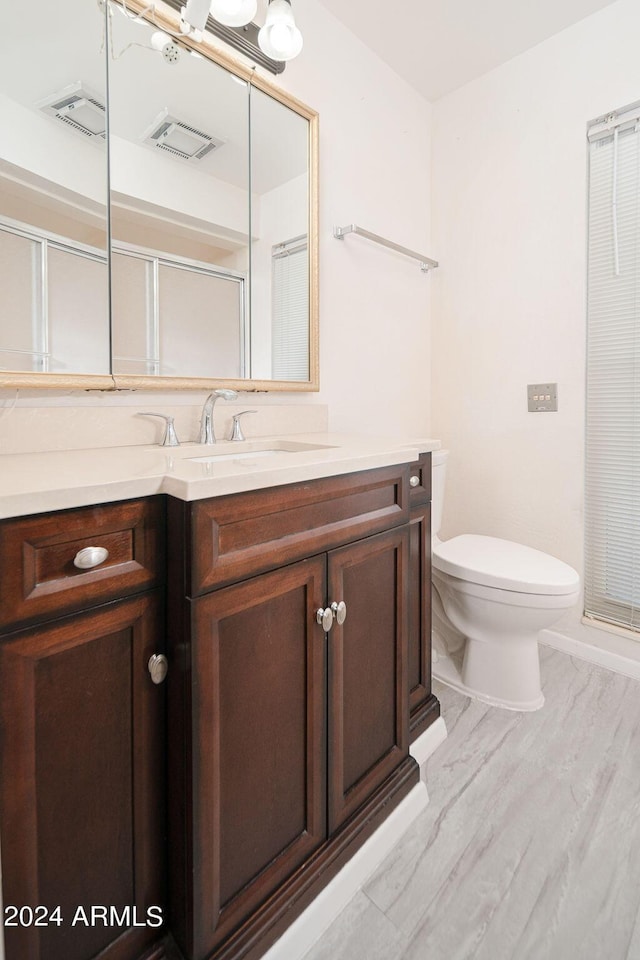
(612, 575)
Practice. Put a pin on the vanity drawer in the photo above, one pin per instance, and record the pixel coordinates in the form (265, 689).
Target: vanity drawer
(244, 534)
(420, 479)
(37, 555)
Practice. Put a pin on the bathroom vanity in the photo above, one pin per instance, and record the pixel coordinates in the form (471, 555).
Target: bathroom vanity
(204, 813)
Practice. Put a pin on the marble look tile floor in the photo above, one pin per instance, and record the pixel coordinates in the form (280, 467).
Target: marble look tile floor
(529, 848)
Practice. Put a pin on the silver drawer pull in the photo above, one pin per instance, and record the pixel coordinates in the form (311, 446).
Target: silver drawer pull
(414, 481)
(339, 612)
(158, 667)
(90, 557)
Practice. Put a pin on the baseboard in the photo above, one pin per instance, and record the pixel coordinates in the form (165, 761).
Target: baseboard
(429, 741)
(600, 655)
(318, 916)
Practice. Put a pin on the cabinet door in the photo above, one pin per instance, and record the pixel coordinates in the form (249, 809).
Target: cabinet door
(81, 782)
(258, 750)
(368, 708)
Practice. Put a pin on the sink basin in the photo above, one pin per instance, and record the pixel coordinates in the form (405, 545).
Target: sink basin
(252, 449)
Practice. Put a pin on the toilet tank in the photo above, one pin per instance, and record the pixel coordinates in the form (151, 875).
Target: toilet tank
(438, 477)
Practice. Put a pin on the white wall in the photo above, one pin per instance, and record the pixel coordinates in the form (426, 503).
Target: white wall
(509, 307)
(374, 170)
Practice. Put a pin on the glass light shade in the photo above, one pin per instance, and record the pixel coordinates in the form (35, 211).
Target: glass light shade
(280, 39)
(159, 40)
(234, 13)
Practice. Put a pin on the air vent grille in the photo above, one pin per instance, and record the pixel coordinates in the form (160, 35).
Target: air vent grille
(79, 109)
(180, 139)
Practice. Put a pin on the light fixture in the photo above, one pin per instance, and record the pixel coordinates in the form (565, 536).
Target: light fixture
(196, 16)
(168, 48)
(280, 38)
(193, 17)
(234, 13)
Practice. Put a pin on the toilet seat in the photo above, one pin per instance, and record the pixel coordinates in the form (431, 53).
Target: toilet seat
(503, 564)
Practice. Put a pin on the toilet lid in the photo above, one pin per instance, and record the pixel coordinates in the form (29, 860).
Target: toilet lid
(504, 564)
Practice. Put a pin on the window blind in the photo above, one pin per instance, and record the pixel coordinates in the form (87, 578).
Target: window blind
(612, 573)
(290, 311)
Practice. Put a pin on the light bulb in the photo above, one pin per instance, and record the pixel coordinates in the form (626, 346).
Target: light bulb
(234, 13)
(280, 39)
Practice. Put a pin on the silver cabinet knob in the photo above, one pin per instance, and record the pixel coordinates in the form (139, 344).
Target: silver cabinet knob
(414, 481)
(158, 667)
(339, 611)
(324, 616)
(90, 557)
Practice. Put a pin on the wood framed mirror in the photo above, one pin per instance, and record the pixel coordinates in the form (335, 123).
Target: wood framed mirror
(210, 237)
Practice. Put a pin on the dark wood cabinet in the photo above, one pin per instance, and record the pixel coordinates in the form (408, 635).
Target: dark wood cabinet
(82, 757)
(296, 738)
(284, 740)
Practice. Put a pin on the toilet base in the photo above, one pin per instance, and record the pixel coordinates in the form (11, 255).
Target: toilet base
(447, 671)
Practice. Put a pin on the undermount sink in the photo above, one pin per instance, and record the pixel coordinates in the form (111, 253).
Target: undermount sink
(250, 450)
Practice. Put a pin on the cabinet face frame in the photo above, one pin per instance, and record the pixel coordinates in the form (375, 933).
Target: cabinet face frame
(424, 707)
(420, 617)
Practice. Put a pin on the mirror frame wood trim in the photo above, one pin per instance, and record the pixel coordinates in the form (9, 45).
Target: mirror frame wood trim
(164, 17)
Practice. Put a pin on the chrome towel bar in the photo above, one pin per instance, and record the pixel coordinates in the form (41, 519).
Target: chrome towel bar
(426, 263)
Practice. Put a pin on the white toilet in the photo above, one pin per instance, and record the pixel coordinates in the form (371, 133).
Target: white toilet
(491, 598)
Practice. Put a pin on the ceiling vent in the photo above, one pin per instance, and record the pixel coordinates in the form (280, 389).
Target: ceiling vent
(179, 138)
(78, 108)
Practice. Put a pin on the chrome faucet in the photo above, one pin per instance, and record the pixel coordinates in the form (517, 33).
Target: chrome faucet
(207, 434)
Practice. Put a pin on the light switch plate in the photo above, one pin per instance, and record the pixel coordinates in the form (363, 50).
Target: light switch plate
(542, 397)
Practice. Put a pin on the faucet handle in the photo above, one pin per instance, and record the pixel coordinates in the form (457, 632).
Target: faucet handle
(170, 438)
(236, 430)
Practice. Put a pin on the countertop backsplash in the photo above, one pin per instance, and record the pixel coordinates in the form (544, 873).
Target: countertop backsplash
(78, 421)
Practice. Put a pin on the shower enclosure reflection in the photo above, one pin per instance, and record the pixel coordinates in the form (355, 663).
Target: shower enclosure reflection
(53, 194)
(180, 209)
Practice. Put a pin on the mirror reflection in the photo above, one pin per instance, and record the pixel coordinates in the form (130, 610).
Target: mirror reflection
(53, 192)
(280, 248)
(158, 229)
(180, 210)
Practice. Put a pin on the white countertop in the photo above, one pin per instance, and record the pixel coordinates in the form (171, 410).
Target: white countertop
(41, 482)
